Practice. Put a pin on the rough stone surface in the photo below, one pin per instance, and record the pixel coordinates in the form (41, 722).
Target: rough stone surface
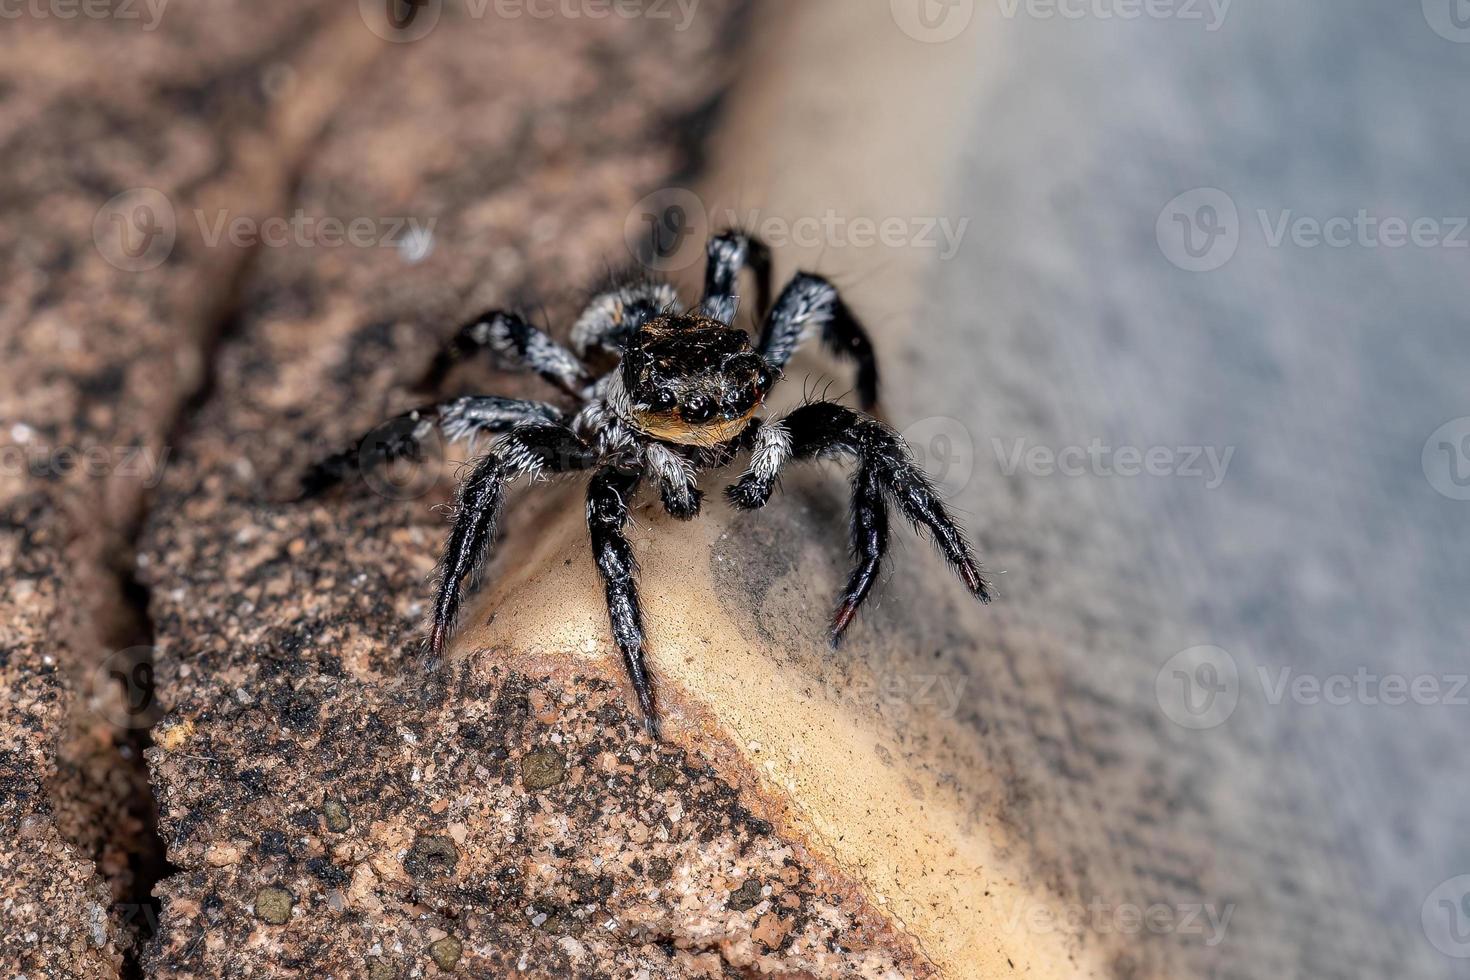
(96, 361)
(492, 818)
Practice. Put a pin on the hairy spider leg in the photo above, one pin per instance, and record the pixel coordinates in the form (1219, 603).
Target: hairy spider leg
(869, 530)
(825, 429)
(403, 437)
(677, 480)
(616, 312)
(515, 345)
(810, 304)
(729, 253)
(608, 497)
(526, 451)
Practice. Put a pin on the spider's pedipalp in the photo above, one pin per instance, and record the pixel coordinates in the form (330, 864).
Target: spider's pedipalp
(728, 254)
(809, 305)
(609, 496)
(527, 450)
(515, 345)
(770, 448)
(676, 480)
(826, 428)
(404, 437)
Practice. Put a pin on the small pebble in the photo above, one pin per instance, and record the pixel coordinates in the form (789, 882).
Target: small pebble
(335, 814)
(542, 769)
(662, 777)
(746, 896)
(446, 952)
(273, 905)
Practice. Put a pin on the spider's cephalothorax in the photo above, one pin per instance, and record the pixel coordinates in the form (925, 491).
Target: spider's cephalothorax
(683, 396)
(692, 380)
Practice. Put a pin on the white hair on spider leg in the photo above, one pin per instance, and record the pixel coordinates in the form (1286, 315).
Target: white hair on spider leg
(517, 459)
(673, 470)
(611, 391)
(771, 450)
(607, 314)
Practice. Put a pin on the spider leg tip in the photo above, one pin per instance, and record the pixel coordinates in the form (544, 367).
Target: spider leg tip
(652, 727)
(437, 638)
(976, 582)
(840, 621)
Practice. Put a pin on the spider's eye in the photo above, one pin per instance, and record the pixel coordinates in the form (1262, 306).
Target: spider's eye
(741, 401)
(662, 400)
(764, 379)
(698, 409)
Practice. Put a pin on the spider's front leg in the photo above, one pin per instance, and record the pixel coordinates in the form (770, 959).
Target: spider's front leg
(609, 497)
(617, 311)
(728, 254)
(515, 345)
(528, 450)
(809, 305)
(885, 470)
(403, 437)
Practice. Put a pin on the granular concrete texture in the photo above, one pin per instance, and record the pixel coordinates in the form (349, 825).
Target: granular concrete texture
(97, 359)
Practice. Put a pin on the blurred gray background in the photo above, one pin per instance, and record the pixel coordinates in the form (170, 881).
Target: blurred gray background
(1333, 543)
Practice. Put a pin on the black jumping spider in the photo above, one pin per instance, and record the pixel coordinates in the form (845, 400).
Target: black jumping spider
(681, 397)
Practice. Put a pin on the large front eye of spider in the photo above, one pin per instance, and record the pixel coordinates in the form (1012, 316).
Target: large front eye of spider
(663, 401)
(698, 409)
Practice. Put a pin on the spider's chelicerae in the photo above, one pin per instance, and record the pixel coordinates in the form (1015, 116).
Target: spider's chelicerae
(681, 396)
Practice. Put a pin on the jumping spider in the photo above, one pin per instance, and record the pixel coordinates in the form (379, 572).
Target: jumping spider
(681, 397)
